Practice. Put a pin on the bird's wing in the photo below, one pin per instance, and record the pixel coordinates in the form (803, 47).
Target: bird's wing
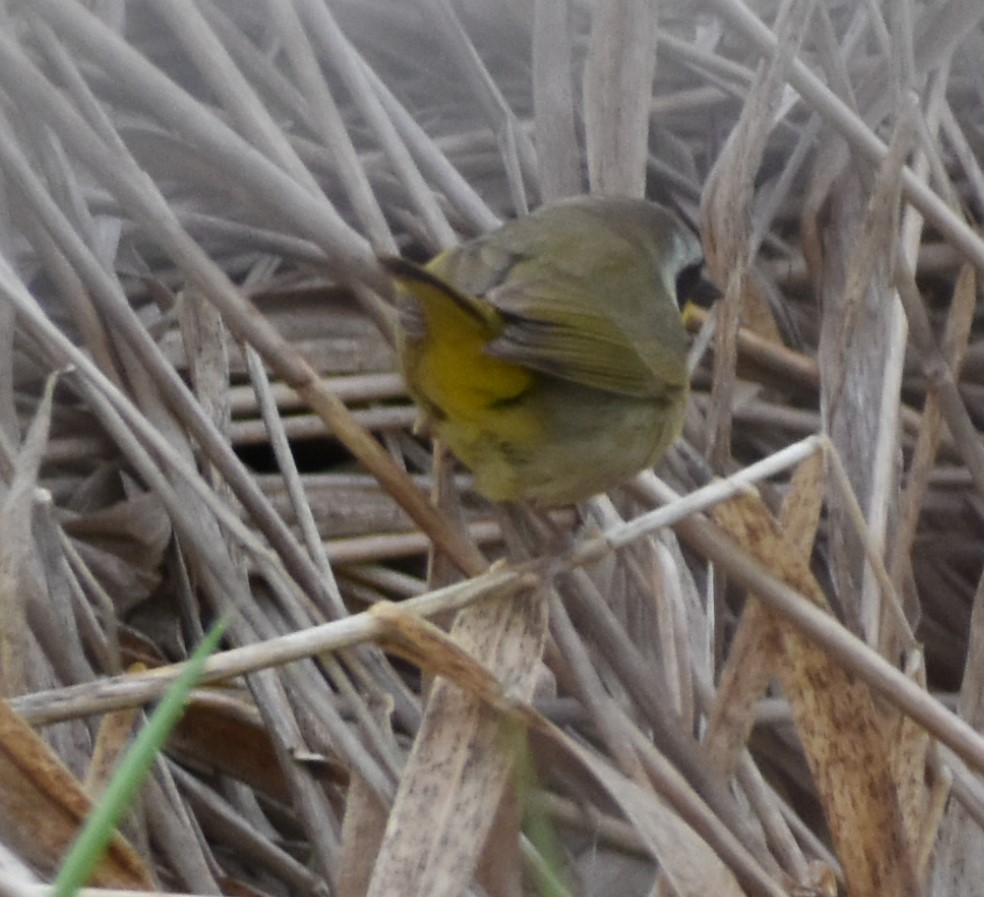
(548, 326)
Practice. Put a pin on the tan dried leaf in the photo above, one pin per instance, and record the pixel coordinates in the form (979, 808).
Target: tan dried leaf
(756, 649)
(42, 806)
(459, 765)
(844, 741)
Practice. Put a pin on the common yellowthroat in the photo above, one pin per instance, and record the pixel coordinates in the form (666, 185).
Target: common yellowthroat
(549, 355)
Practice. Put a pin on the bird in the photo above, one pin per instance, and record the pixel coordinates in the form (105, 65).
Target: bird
(549, 355)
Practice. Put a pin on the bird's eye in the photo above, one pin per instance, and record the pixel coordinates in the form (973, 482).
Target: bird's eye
(687, 280)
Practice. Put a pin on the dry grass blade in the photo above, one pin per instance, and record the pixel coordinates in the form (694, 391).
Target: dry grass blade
(618, 77)
(139, 688)
(957, 860)
(362, 836)
(958, 331)
(111, 742)
(555, 115)
(726, 220)
(18, 577)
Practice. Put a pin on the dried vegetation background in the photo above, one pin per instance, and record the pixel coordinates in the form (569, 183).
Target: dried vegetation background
(770, 686)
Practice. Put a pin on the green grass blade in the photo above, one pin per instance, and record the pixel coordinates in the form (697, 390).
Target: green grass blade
(91, 842)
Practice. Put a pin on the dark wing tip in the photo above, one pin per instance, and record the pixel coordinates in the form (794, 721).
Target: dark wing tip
(406, 272)
(397, 266)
